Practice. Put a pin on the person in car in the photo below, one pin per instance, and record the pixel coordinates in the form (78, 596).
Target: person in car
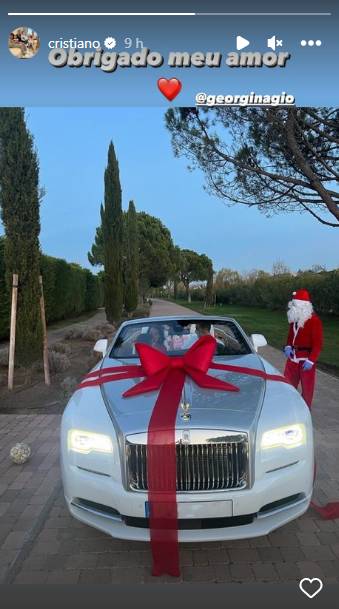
(157, 337)
(203, 328)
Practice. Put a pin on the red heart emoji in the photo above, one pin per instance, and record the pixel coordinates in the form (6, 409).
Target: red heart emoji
(169, 87)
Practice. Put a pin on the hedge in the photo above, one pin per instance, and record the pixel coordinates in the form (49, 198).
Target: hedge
(274, 291)
(69, 290)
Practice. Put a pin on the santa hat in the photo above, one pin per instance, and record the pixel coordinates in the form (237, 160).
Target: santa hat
(301, 295)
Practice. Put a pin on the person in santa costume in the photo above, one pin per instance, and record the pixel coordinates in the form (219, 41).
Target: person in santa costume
(304, 344)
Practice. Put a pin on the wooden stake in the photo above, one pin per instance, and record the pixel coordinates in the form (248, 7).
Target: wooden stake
(44, 334)
(12, 332)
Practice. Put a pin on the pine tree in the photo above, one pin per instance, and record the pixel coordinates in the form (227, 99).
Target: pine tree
(132, 259)
(112, 227)
(20, 213)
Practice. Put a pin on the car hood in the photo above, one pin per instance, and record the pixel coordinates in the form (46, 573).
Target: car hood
(208, 409)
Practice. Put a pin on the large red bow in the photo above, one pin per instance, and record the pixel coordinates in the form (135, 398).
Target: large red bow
(159, 367)
(168, 374)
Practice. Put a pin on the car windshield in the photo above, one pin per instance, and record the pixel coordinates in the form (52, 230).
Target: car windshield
(175, 337)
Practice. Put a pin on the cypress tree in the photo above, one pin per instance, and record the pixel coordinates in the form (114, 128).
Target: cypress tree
(132, 259)
(20, 214)
(4, 294)
(112, 227)
(209, 287)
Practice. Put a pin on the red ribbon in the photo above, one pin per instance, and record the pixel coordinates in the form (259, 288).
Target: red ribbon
(330, 511)
(168, 374)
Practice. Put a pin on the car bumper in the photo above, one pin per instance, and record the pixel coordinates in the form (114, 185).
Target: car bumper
(261, 525)
(84, 491)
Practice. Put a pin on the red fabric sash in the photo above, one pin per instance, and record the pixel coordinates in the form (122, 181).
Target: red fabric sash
(167, 374)
(330, 511)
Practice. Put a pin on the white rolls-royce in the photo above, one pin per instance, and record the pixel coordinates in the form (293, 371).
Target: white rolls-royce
(245, 459)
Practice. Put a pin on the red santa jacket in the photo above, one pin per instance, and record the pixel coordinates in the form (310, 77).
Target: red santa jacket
(307, 341)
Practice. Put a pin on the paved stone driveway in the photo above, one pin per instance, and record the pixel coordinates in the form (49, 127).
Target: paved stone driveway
(41, 543)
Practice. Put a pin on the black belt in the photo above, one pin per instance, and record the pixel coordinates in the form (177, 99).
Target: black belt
(302, 349)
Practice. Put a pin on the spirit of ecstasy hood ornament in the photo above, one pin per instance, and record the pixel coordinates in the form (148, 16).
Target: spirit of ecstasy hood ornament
(186, 414)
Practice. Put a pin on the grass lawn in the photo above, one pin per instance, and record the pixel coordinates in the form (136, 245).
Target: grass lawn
(273, 324)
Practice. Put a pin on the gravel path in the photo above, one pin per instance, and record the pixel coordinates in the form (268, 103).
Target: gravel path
(57, 334)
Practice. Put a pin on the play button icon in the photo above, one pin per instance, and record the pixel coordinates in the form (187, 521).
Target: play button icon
(242, 43)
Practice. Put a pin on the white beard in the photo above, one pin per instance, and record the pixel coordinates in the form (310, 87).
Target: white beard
(299, 311)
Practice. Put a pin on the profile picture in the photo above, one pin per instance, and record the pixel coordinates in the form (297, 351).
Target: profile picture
(23, 42)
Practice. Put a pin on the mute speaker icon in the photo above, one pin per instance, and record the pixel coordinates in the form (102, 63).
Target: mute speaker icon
(273, 42)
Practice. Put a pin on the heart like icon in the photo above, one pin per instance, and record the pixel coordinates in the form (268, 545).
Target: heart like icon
(311, 587)
(170, 88)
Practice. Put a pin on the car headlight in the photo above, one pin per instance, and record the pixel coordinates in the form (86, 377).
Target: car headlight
(290, 436)
(86, 442)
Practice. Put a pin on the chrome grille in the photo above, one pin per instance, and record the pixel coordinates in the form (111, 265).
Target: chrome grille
(200, 467)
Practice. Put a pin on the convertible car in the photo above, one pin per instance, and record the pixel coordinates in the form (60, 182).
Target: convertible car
(244, 458)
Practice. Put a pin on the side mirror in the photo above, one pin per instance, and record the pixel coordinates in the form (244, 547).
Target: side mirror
(101, 346)
(258, 340)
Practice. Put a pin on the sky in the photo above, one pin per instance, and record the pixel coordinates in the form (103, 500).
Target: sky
(72, 147)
